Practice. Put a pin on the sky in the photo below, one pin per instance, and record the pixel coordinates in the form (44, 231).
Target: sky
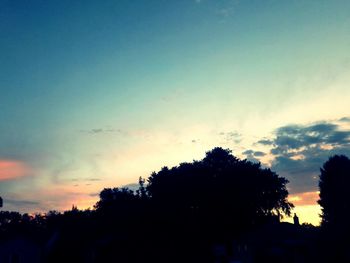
(95, 94)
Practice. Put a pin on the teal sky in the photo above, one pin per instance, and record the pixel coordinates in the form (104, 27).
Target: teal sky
(97, 94)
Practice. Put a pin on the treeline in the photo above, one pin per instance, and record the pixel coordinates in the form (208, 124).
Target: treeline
(178, 214)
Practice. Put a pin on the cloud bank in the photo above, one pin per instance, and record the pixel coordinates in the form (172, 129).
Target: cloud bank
(300, 150)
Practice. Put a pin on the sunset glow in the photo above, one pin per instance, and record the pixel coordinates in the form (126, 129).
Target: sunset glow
(12, 169)
(98, 94)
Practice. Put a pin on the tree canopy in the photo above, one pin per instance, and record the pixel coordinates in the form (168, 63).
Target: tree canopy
(220, 188)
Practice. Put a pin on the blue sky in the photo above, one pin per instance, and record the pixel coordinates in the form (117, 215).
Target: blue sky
(97, 94)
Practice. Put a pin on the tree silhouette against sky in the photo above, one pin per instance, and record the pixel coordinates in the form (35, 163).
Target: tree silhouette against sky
(334, 191)
(220, 190)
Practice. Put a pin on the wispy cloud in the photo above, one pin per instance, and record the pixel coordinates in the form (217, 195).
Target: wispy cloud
(93, 179)
(96, 131)
(227, 8)
(265, 142)
(21, 202)
(252, 155)
(259, 154)
(233, 136)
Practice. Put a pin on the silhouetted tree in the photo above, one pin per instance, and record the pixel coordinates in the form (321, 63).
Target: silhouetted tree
(114, 199)
(334, 191)
(335, 203)
(220, 190)
(142, 191)
(120, 205)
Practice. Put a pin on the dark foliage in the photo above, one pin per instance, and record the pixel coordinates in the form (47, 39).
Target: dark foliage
(334, 201)
(188, 213)
(238, 190)
(334, 191)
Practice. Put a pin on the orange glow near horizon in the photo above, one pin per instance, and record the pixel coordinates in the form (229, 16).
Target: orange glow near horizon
(63, 197)
(12, 169)
(306, 198)
(307, 214)
(306, 207)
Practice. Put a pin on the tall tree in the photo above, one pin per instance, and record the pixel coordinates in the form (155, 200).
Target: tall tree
(334, 191)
